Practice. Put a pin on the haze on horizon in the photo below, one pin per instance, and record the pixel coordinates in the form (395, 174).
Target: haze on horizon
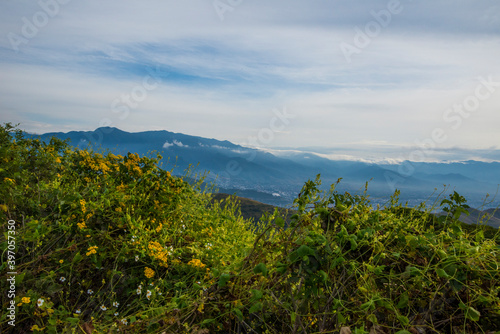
(359, 80)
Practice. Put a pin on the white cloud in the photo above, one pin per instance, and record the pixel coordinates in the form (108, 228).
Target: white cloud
(174, 143)
(222, 78)
(167, 145)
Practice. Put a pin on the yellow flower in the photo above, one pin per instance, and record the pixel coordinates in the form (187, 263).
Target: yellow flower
(158, 252)
(4, 207)
(196, 263)
(92, 250)
(148, 272)
(9, 180)
(82, 203)
(61, 261)
(26, 300)
(58, 160)
(81, 225)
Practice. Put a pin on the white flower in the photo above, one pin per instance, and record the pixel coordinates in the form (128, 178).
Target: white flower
(90, 291)
(116, 304)
(139, 291)
(136, 258)
(124, 321)
(148, 294)
(39, 302)
(78, 311)
(62, 279)
(103, 308)
(116, 314)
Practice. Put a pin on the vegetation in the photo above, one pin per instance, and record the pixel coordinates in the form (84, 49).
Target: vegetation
(108, 243)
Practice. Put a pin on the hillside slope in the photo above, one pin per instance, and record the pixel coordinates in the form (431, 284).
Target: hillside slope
(105, 243)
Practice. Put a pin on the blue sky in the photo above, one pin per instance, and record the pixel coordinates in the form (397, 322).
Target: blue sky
(362, 79)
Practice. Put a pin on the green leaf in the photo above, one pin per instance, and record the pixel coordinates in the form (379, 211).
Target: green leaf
(403, 320)
(323, 275)
(369, 305)
(404, 331)
(280, 222)
(470, 312)
(403, 300)
(441, 273)
(281, 268)
(77, 258)
(238, 313)
(207, 322)
(304, 251)
(20, 278)
(256, 295)
(372, 318)
(260, 269)
(255, 307)
(223, 279)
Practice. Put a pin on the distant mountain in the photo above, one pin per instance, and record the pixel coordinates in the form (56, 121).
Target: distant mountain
(277, 180)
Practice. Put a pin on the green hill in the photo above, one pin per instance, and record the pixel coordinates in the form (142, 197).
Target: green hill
(95, 242)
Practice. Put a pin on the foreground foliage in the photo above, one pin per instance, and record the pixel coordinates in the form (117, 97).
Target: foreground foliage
(110, 243)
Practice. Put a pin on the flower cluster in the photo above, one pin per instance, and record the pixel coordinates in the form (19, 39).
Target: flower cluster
(26, 300)
(132, 163)
(148, 272)
(95, 162)
(82, 204)
(197, 263)
(92, 250)
(156, 251)
(6, 179)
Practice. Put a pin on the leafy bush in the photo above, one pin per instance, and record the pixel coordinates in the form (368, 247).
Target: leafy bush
(110, 243)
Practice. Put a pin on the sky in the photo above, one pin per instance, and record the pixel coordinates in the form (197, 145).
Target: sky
(381, 79)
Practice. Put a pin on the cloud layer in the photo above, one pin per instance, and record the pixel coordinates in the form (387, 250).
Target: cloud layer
(219, 72)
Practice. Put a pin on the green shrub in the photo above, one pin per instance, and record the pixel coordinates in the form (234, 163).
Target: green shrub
(108, 243)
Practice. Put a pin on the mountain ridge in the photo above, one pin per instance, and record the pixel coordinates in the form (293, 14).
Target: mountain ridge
(232, 166)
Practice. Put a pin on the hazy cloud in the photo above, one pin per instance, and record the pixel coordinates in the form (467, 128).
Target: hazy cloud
(222, 78)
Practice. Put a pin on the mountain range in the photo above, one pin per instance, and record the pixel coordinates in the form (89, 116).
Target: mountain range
(276, 180)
